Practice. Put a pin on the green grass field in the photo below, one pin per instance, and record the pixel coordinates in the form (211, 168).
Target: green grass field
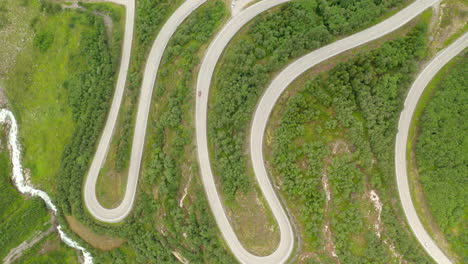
(36, 86)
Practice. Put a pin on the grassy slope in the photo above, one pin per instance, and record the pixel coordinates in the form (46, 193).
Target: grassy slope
(21, 218)
(316, 141)
(50, 250)
(262, 48)
(453, 22)
(436, 184)
(45, 55)
(31, 86)
(36, 90)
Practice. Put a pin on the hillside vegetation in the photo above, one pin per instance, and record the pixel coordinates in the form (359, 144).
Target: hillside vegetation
(441, 151)
(163, 224)
(150, 16)
(48, 83)
(50, 250)
(19, 218)
(23, 218)
(332, 153)
(267, 45)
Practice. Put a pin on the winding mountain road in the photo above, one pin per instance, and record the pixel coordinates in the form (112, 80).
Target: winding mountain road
(205, 75)
(119, 213)
(262, 113)
(404, 123)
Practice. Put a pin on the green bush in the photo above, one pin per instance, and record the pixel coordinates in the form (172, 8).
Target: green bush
(246, 68)
(357, 102)
(3, 15)
(43, 41)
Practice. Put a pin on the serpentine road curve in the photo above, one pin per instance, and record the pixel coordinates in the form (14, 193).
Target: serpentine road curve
(90, 183)
(267, 102)
(279, 84)
(404, 123)
(119, 213)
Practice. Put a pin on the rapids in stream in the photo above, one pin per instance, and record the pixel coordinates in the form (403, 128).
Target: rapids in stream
(25, 187)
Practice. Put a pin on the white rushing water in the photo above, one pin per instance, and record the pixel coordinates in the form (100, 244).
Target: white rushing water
(25, 187)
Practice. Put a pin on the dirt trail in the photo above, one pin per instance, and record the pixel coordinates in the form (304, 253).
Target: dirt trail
(327, 233)
(18, 251)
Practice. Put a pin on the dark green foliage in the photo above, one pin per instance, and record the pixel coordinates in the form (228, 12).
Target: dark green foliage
(356, 103)
(3, 15)
(149, 17)
(19, 218)
(157, 224)
(171, 139)
(272, 41)
(90, 91)
(123, 147)
(342, 17)
(442, 154)
(43, 41)
(49, 7)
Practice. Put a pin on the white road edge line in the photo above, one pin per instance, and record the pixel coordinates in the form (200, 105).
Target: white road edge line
(401, 142)
(205, 74)
(262, 113)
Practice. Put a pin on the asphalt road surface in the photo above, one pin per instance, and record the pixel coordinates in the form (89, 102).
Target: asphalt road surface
(279, 84)
(90, 184)
(406, 116)
(119, 213)
(208, 65)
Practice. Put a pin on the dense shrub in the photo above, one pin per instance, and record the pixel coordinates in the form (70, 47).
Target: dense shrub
(269, 43)
(157, 226)
(356, 103)
(441, 153)
(3, 15)
(43, 41)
